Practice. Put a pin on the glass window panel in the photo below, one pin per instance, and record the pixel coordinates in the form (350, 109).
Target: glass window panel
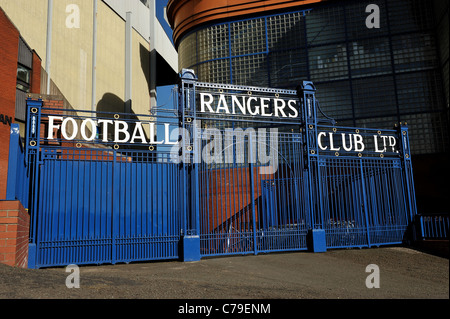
(419, 92)
(187, 51)
(335, 100)
(443, 38)
(386, 123)
(374, 96)
(23, 74)
(410, 15)
(328, 62)
(286, 31)
(428, 133)
(251, 70)
(414, 52)
(217, 71)
(370, 57)
(248, 37)
(288, 68)
(23, 78)
(213, 42)
(22, 87)
(325, 25)
(445, 79)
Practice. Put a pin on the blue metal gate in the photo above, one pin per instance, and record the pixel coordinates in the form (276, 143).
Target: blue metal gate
(219, 182)
(93, 204)
(358, 190)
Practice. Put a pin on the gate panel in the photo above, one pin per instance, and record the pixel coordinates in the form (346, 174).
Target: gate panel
(386, 209)
(147, 221)
(283, 224)
(252, 193)
(74, 215)
(343, 203)
(363, 201)
(249, 207)
(226, 215)
(104, 207)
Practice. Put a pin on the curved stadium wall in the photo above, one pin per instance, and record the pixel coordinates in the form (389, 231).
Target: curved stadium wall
(364, 77)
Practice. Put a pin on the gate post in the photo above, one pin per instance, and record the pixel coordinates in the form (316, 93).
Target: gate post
(316, 240)
(252, 192)
(405, 153)
(190, 238)
(32, 158)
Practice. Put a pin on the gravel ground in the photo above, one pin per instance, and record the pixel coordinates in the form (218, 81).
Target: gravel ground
(337, 274)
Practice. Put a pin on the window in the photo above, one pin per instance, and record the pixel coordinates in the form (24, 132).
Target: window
(23, 78)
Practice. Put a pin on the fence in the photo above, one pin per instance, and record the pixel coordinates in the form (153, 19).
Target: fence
(95, 203)
(433, 226)
(230, 170)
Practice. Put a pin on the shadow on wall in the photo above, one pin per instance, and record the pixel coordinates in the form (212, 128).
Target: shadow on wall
(109, 105)
(145, 64)
(166, 75)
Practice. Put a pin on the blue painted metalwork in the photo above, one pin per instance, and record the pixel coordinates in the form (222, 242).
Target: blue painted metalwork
(18, 175)
(93, 204)
(434, 227)
(242, 184)
(360, 199)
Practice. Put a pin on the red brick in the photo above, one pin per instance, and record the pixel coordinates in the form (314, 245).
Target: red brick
(36, 74)
(14, 234)
(8, 220)
(8, 70)
(11, 242)
(9, 249)
(5, 235)
(14, 213)
(9, 205)
(13, 228)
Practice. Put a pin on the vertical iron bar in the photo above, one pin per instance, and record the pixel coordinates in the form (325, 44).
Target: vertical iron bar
(252, 190)
(364, 201)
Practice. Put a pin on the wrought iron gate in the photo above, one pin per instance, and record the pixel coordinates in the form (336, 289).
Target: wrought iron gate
(251, 195)
(358, 190)
(98, 203)
(241, 170)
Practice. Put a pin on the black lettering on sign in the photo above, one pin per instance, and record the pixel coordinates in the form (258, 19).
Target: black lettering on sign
(5, 119)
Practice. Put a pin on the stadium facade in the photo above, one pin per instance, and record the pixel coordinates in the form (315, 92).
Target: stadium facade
(371, 67)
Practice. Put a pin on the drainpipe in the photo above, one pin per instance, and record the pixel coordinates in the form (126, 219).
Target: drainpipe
(94, 56)
(49, 42)
(153, 66)
(128, 59)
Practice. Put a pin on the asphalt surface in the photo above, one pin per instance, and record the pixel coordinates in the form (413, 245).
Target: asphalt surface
(404, 273)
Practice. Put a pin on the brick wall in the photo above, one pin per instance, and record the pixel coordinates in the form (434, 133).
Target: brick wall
(14, 234)
(36, 74)
(9, 50)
